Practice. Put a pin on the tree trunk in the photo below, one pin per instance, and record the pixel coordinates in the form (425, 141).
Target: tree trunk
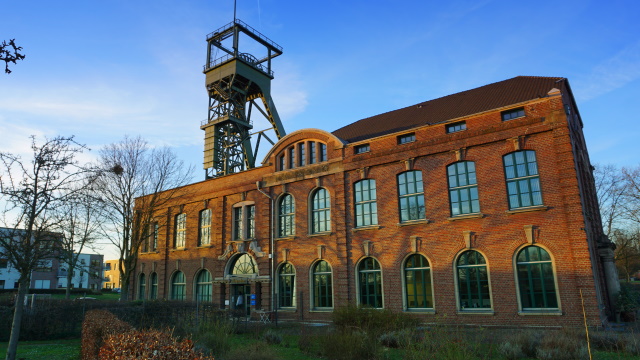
(67, 294)
(12, 349)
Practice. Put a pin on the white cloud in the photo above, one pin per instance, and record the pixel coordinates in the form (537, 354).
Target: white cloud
(611, 74)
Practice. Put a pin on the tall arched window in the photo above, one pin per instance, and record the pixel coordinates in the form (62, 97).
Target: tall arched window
(286, 215)
(536, 280)
(463, 188)
(320, 211)
(411, 196)
(473, 281)
(142, 287)
(322, 287)
(153, 291)
(417, 282)
(366, 206)
(243, 265)
(178, 286)
(286, 286)
(370, 283)
(523, 182)
(203, 286)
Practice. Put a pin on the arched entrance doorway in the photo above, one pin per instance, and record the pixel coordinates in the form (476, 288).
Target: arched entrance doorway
(241, 270)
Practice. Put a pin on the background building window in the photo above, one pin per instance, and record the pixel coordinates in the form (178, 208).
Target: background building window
(181, 230)
(523, 182)
(406, 138)
(178, 286)
(320, 211)
(366, 206)
(370, 283)
(417, 282)
(322, 288)
(411, 196)
(512, 114)
(205, 227)
(455, 127)
(463, 188)
(153, 292)
(142, 287)
(536, 279)
(203, 286)
(286, 214)
(473, 281)
(286, 286)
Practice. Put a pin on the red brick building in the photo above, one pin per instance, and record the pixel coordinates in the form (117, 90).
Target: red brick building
(474, 208)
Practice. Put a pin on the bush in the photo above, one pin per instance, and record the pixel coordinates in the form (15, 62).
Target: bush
(523, 342)
(97, 326)
(271, 337)
(215, 336)
(397, 339)
(148, 345)
(370, 320)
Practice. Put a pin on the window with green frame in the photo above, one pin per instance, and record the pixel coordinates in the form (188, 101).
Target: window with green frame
(142, 287)
(178, 286)
(320, 211)
(322, 285)
(366, 206)
(203, 286)
(153, 291)
(463, 188)
(523, 182)
(286, 215)
(370, 283)
(417, 283)
(536, 280)
(286, 286)
(411, 196)
(473, 281)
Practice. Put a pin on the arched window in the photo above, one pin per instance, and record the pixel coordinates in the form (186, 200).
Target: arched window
(286, 286)
(523, 182)
(320, 211)
(473, 281)
(463, 188)
(142, 287)
(370, 283)
(366, 206)
(203, 286)
(286, 215)
(153, 292)
(411, 196)
(178, 286)
(417, 282)
(322, 287)
(204, 236)
(536, 279)
(243, 265)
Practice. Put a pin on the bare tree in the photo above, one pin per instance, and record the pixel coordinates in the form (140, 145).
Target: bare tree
(627, 253)
(31, 189)
(611, 189)
(10, 53)
(78, 219)
(135, 181)
(631, 178)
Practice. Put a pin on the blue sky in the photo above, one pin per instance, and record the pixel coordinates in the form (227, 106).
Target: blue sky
(102, 69)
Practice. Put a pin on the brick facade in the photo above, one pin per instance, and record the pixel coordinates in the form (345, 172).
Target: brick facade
(566, 224)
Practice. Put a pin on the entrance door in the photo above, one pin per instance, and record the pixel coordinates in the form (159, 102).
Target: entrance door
(241, 298)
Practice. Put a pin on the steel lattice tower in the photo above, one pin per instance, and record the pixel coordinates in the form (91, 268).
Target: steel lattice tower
(234, 81)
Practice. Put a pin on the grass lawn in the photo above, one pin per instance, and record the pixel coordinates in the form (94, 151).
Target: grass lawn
(45, 350)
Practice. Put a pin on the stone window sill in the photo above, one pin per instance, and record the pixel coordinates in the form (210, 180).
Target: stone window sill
(321, 310)
(179, 249)
(540, 312)
(286, 238)
(324, 233)
(207, 246)
(476, 312)
(421, 311)
(414, 222)
(364, 228)
(528, 209)
(466, 216)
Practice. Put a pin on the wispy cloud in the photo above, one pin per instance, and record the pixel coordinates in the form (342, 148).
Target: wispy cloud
(611, 74)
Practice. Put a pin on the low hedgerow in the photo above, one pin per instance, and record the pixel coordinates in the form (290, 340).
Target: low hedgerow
(96, 327)
(149, 345)
(370, 320)
(551, 345)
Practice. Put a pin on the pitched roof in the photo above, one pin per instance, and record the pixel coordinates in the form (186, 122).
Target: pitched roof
(484, 98)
